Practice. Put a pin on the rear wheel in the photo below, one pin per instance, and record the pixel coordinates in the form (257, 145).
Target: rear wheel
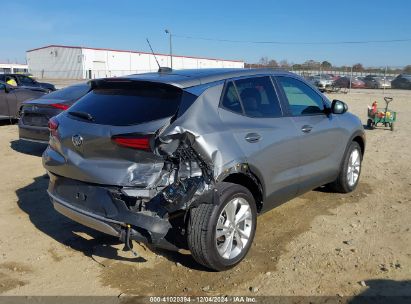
(350, 170)
(220, 235)
(392, 126)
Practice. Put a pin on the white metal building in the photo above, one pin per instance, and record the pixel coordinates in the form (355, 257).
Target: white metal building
(77, 62)
(13, 68)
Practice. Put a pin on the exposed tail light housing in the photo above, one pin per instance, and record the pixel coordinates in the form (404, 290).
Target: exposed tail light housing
(60, 106)
(53, 126)
(134, 141)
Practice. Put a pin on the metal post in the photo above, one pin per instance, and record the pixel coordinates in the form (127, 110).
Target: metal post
(171, 48)
(385, 79)
(350, 79)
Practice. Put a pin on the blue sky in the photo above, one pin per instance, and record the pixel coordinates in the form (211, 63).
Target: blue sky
(125, 25)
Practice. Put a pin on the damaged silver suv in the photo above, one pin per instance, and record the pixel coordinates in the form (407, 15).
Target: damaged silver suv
(188, 159)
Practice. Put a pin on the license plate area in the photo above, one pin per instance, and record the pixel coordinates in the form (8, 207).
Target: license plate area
(88, 197)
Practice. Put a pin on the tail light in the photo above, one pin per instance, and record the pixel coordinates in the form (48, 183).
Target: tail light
(53, 126)
(139, 142)
(60, 106)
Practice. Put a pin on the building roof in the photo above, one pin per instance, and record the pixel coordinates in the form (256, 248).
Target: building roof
(126, 51)
(190, 78)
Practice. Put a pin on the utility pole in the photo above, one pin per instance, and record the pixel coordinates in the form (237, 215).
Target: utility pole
(351, 80)
(385, 78)
(171, 47)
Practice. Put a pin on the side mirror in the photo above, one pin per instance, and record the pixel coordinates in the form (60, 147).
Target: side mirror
(338, 107)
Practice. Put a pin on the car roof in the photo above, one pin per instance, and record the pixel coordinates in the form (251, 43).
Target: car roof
(190, 78)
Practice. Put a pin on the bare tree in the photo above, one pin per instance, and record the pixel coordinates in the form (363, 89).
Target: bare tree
(358, 67)
(263, 61)
(407, 69)
(326, 65)
(273, 64)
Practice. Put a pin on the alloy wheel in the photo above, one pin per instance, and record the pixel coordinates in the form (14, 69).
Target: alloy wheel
(233, 228)
(354, 167)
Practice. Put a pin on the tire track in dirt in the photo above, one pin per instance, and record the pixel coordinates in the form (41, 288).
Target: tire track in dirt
(177, 273)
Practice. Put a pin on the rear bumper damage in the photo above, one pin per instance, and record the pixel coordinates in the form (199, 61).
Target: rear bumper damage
(109, 210)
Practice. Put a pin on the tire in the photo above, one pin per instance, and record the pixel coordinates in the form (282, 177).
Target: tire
(343, 183)
(202, 228)
(392, 126)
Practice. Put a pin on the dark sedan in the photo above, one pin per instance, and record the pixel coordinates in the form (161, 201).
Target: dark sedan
(11, 99)
(344, 82)
(26, 81)
(376, 82)
(402, 81)
(35, 114)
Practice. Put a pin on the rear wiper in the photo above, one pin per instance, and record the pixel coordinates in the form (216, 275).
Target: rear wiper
(83, 115)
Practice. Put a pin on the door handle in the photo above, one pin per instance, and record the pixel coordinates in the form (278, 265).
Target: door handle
(306, 128)
(252, 137)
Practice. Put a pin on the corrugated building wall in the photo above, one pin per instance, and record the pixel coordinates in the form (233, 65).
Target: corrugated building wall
(66, 62)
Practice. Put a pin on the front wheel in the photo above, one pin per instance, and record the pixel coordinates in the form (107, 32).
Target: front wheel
(350, 170)
(220, 235)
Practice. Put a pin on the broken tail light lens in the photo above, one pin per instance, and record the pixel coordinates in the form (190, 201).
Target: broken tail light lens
(53, 126)
(139, 142)
(60, 106)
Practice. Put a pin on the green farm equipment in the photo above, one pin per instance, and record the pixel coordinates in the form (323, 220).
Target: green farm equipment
(384, 117)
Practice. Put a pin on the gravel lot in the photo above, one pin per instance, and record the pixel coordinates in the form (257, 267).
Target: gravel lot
(319, 244)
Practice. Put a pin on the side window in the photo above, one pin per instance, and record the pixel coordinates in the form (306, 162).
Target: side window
(26, 80)
(230, 99)
(302, 99)
(258, 97)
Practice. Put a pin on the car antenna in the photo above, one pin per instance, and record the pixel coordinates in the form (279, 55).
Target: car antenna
(160, 69)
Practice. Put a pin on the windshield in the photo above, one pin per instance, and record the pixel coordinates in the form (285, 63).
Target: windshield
(69, 93)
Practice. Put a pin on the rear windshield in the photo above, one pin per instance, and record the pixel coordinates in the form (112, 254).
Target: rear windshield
(129, 102)
(69, 93)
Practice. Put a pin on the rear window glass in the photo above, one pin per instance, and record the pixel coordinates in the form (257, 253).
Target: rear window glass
(129, 102)
(69, 93)
(258, 97)
(230, 99)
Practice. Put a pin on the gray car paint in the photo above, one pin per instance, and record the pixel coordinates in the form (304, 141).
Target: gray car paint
(11, 99)
(286, 161)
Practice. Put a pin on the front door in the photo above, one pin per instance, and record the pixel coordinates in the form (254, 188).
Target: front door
(320, 133)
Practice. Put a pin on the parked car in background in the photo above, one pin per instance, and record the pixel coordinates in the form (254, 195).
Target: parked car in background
(322, 82)
(35, 114)
(402, 81)
(376, 82)
(344, 82)
(11, 99)
(187, 159)
(23, 80)
(329, 76)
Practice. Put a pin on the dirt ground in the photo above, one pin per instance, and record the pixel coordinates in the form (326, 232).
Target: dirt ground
(319, 244)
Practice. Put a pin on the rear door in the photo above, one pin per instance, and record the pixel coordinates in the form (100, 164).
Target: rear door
(319, 134)
(269, 141)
